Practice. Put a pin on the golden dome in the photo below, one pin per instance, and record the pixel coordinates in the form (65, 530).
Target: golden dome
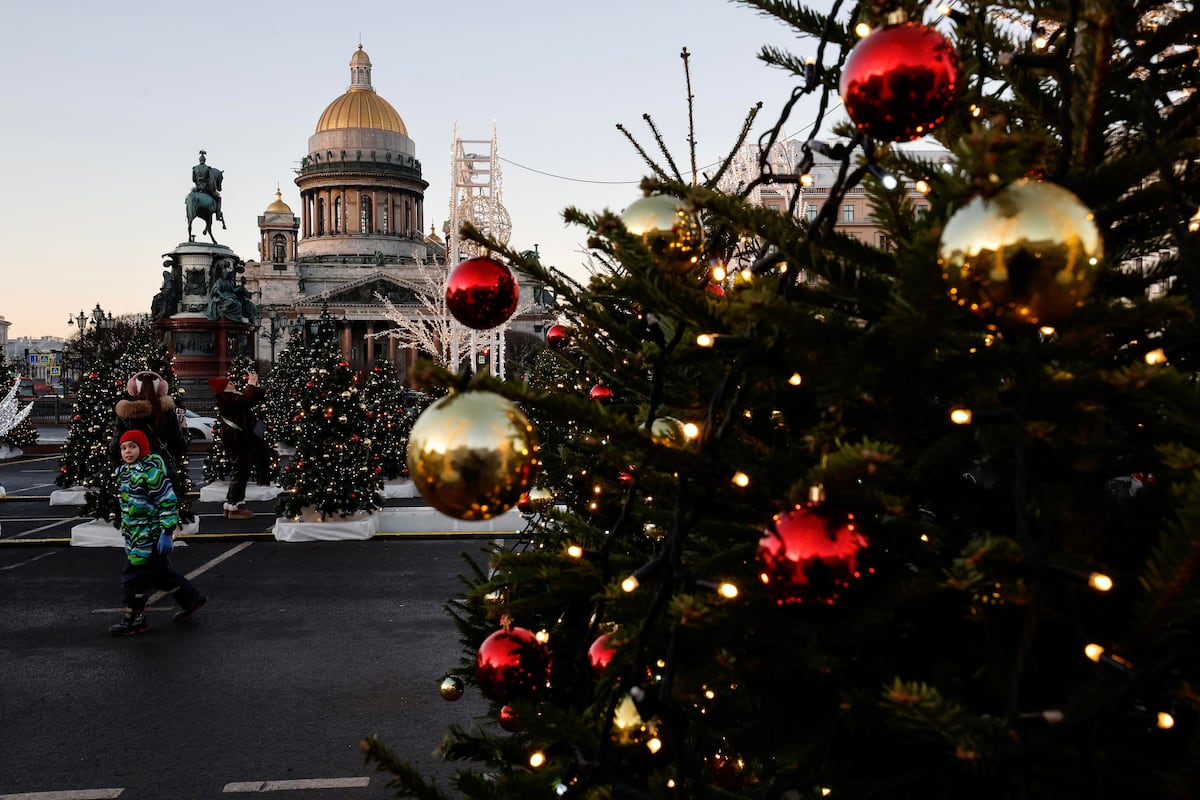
(433, 237)
(360, 106)
(278, 205)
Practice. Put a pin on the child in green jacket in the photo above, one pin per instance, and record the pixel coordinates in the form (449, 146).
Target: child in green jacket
(149, 517)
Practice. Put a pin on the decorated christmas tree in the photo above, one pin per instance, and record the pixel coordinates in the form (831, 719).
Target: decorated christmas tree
(391, 411)
(335, 472)
(16, 429)
(305, 350)
(875, 538)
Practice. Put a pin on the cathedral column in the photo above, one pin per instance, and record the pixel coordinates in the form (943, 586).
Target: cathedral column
(370, 344)
(346, 339)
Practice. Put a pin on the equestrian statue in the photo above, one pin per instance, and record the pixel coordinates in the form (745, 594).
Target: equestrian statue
(204, 201)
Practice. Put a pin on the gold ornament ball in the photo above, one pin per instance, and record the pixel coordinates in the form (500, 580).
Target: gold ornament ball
(668, 228)
(540, 498)
(668, 432)
(472, 454)
(1030, 253)
(452, 688)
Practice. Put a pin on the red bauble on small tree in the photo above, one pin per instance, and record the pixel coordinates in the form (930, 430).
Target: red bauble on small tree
(481, 293)
(557, 336)
(805, 558)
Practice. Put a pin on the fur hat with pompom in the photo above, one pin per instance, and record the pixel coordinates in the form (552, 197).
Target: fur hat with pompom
(134, 387)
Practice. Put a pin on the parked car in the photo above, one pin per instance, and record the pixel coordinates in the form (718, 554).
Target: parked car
(198, 428)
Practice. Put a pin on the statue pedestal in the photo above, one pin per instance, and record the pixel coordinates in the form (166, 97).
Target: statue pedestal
(202, 348)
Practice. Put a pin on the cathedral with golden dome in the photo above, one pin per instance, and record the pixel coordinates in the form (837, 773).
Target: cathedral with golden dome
(359, 235)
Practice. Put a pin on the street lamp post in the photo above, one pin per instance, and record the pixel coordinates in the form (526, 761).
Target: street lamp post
(274, 332)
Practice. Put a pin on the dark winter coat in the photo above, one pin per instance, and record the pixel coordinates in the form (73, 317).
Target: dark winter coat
(137, 414)
(235, 412)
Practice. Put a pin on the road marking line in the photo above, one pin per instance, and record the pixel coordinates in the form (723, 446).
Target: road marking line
(33, 471)
(284, 786)
(54, 524)
(23, 563)
(75, 794)
(154, 598)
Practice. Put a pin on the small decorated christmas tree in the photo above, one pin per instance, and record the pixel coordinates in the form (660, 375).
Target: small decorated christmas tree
(335, 472)
(391, 411)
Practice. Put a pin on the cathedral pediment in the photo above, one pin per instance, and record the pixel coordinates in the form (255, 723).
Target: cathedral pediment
(364, 290)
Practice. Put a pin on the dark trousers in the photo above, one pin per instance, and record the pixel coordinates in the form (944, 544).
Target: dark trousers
(138, 579)
(256, 457)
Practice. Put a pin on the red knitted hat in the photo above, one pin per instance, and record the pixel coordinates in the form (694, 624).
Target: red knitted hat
(138, 438)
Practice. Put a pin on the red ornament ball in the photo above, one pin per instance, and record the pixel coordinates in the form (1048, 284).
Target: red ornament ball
(716, 289)
(601, 393)
(601, 652)
(557, 336)
(804, 558)
(511, 664)
(523, 504)
(481, 293)
(900, 82)
(508, 719)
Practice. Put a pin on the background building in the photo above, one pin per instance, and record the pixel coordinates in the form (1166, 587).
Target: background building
(359, 235)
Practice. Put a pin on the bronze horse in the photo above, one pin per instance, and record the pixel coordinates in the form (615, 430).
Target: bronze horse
(204, 206)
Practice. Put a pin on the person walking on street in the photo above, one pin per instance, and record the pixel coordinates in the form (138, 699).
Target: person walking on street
(243, 443)
(148, 522)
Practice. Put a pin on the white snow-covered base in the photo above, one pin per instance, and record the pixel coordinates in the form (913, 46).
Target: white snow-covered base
(75, 496)
(429, 520)
(401, 487)
(7, 452)
(309, 529)
(215, 492)
(99, 533)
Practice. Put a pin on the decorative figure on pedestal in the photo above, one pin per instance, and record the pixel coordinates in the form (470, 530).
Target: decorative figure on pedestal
(166, 302)
(204, 201)
(224, 300)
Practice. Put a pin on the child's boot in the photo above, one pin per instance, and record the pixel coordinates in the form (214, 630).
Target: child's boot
(132, 624)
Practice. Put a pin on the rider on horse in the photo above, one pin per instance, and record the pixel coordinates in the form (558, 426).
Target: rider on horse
(207, 180)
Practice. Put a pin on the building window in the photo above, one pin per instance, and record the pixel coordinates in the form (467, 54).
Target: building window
(337, 215)
(847, 213)
(364, 214)
(321, 217)
(810, 211)
(885, 243)
(278, 248)
(384, 212)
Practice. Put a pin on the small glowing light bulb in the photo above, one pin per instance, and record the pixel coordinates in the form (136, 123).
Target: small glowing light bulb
(718, 274)
(1165, 721)
(795, 380)
(728, 590)
(960, 416)
(1100, 582)
(575, 551)
(542, 636)
(1093, 651)
(691, 430)
(889, 181)
(1156, 356)
(746, 275)
(705, 340)
(922, 186)
(629, 584)
(537, 759)
(862, 30)
(806, 179)
(654, 744)
(741, 479)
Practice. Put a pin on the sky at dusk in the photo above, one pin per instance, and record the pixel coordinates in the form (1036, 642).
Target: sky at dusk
(106, 106)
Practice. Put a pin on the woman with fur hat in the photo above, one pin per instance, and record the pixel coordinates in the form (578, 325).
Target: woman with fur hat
(151, 410)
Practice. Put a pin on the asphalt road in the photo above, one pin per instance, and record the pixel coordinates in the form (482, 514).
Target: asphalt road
(303, 649)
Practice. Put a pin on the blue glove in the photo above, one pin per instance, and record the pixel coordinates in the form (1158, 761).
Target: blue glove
(165, 543)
